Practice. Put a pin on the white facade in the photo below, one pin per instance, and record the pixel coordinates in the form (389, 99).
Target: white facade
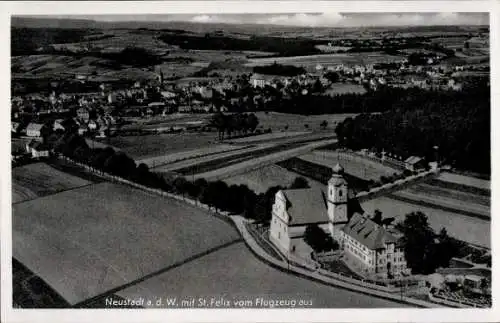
(337, 204)
(377, 261)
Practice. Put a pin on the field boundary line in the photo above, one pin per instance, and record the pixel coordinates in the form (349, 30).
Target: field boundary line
(112, 291)
(54, 193)
(440, 207)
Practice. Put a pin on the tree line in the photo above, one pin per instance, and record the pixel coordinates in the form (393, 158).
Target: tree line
(238, 199)
(237, 123)
(425, 251)
(281, 46)
(453, 127)
(279, 69)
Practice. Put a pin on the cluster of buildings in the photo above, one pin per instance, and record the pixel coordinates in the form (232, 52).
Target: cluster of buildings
(374, 248)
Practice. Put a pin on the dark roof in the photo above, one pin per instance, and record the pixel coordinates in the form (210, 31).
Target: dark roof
(367, 232)
(38, 145)
(413, 160)
(306, 206)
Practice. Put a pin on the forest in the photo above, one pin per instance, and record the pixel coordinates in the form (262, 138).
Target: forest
(278, 45)
(453, 125)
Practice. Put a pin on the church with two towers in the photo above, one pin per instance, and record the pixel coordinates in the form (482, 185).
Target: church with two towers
(372, 247)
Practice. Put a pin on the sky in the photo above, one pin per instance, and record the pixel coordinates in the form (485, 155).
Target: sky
(331, 19)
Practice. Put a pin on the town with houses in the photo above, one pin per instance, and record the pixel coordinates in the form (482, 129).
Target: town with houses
(319, 172)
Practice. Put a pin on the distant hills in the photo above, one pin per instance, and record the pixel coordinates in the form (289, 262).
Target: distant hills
(196, 27)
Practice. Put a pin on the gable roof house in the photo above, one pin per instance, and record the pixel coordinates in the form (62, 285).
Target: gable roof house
(36, 130)
(414, 163)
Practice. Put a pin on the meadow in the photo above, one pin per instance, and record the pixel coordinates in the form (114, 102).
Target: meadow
(469, 229)
(465, 180)
(260, 180)
(327, 59)
(353, 165)
(296, 122)
(234, 273)
(87, 241)
(449, 198)
(146, 146)
(39, 179)
(343, 88)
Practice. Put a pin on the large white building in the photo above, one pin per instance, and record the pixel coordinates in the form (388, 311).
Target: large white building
(370, 246)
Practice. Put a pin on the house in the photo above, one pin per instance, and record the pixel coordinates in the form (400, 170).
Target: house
(370, 246)
(36, 130)
(257, 80)
(37, 149)
(414, 163)
(168, 94)
(83, 114)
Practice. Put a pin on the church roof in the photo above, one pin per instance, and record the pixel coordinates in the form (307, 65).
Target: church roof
(338, 169)
(337, 178)
(367, 232)
(305, 206)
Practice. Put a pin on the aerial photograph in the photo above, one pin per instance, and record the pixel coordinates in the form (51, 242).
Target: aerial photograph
(184, 161)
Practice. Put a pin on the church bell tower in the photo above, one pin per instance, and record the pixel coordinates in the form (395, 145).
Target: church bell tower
(337, 202)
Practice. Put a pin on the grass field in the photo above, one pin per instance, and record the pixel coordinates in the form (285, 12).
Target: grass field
(454, 199)
(141, 147)
(34, 180)
(215, 150)
(325, 59)
(262, 179)
(320, 173)
(87, 241)
(295, 122)
(353, 165)
(267, 137)
(343, 88)
(234, 273)
(463, 227)
(465, 180)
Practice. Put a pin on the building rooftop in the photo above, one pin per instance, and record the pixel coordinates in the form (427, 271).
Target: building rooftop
(306, 206)
(367, 232)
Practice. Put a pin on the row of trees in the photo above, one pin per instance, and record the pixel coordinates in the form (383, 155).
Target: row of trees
(238, 123)
(455, 125)
(278, 69)
(217, 194)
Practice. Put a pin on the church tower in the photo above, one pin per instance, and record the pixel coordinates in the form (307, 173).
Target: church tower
(337, 202)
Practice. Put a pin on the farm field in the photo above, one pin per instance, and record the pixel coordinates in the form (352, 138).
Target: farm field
(87, 241)
(247, 279)
(287, 151)
(141, 147)
(325, 59)
(34, 180)
(260, 180)
(454, 199)
(278, 121)
(214, 159)
(462, 227)
(57, 65)
(354, 165)
(343, 88)
(465, 180)
(155, 162)
(267, 137)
